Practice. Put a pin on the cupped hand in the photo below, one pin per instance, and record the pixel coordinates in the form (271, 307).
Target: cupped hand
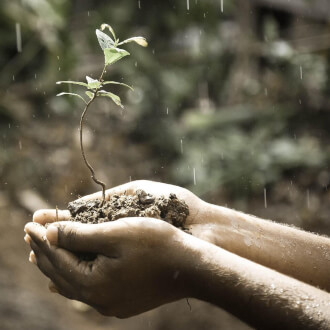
(140, 263)
(197, 222)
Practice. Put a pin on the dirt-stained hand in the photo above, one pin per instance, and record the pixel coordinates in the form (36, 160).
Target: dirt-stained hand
(139, 264)
(197, 221)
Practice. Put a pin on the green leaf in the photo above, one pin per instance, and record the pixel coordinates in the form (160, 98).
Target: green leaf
(93, 83)
(139, 40)
(89, 94)
(113, 55)
(73, 94)
(72, 82)
(115, 98)
(116, 83)
(104, 26)
(104, 40)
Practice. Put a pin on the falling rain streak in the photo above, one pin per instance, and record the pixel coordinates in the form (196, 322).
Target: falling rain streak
(301, 73)
(18, 37)
(181, 144)
(194, 176)
(188, 5)
(265, 197)
(308, 201)
(221, 5)
(139, 4)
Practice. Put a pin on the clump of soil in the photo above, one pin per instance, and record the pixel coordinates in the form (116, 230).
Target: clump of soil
(141, 204)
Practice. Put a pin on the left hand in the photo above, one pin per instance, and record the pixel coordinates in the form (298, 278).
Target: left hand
(140, 263)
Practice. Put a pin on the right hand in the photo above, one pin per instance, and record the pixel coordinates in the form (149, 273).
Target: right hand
(197, 221)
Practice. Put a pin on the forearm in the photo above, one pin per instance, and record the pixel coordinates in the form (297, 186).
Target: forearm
(291, 251)
(259, 296)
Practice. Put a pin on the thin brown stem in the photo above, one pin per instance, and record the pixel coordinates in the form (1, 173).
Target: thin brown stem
(91, 169)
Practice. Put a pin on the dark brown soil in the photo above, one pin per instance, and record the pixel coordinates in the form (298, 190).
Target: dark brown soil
(141, 204)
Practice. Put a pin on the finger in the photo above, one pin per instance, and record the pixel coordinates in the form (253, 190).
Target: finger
(65, 262)
(36, 232)
(27, 239)
(32, 258)
(47, 268)
(80, 237)
(48, 216)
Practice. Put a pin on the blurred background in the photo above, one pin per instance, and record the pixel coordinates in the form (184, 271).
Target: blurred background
(231, 101)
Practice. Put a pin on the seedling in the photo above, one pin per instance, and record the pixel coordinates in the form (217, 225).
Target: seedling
(112, 54)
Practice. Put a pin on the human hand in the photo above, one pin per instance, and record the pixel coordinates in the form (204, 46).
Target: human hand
(140, 263)
(197, 221)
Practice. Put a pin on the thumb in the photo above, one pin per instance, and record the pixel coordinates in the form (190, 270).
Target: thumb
(79, 237)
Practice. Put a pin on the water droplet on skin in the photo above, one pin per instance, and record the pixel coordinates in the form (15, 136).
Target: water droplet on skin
(273, 286)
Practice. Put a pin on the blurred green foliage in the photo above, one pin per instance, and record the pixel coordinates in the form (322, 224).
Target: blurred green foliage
(239, 96)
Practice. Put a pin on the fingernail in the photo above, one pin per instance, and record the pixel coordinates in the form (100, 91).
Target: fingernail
(27, 239)
(32, 258)
(52, 234)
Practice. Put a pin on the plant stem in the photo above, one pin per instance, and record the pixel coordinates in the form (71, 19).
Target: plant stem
(91, 169)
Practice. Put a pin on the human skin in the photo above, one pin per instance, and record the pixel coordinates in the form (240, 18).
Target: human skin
(297, 253)
(142, 263)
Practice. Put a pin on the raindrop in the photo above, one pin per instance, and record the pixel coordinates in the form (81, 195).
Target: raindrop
(59, 68)
(266, 91)
(18, 37)
(130, 178)
(188, 4)
(88, 13)
(167, 111)
(221, 5)
(9, 125)
(20, 144)
(58, 58)
(301, 72)
(194, 176)
(265, 197)
(35, 76)
(136, 64)
(139, 4)
(181, 143)
(308, 201)
(13, 78)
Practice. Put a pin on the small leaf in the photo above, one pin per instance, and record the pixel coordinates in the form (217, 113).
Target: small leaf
(117, 83)
(89, 94)
(104, 40)
(139, 40)
(115, 98)
(72, 82)
(93, 83)
(113, 55)
(104, 26)
(73, 94)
